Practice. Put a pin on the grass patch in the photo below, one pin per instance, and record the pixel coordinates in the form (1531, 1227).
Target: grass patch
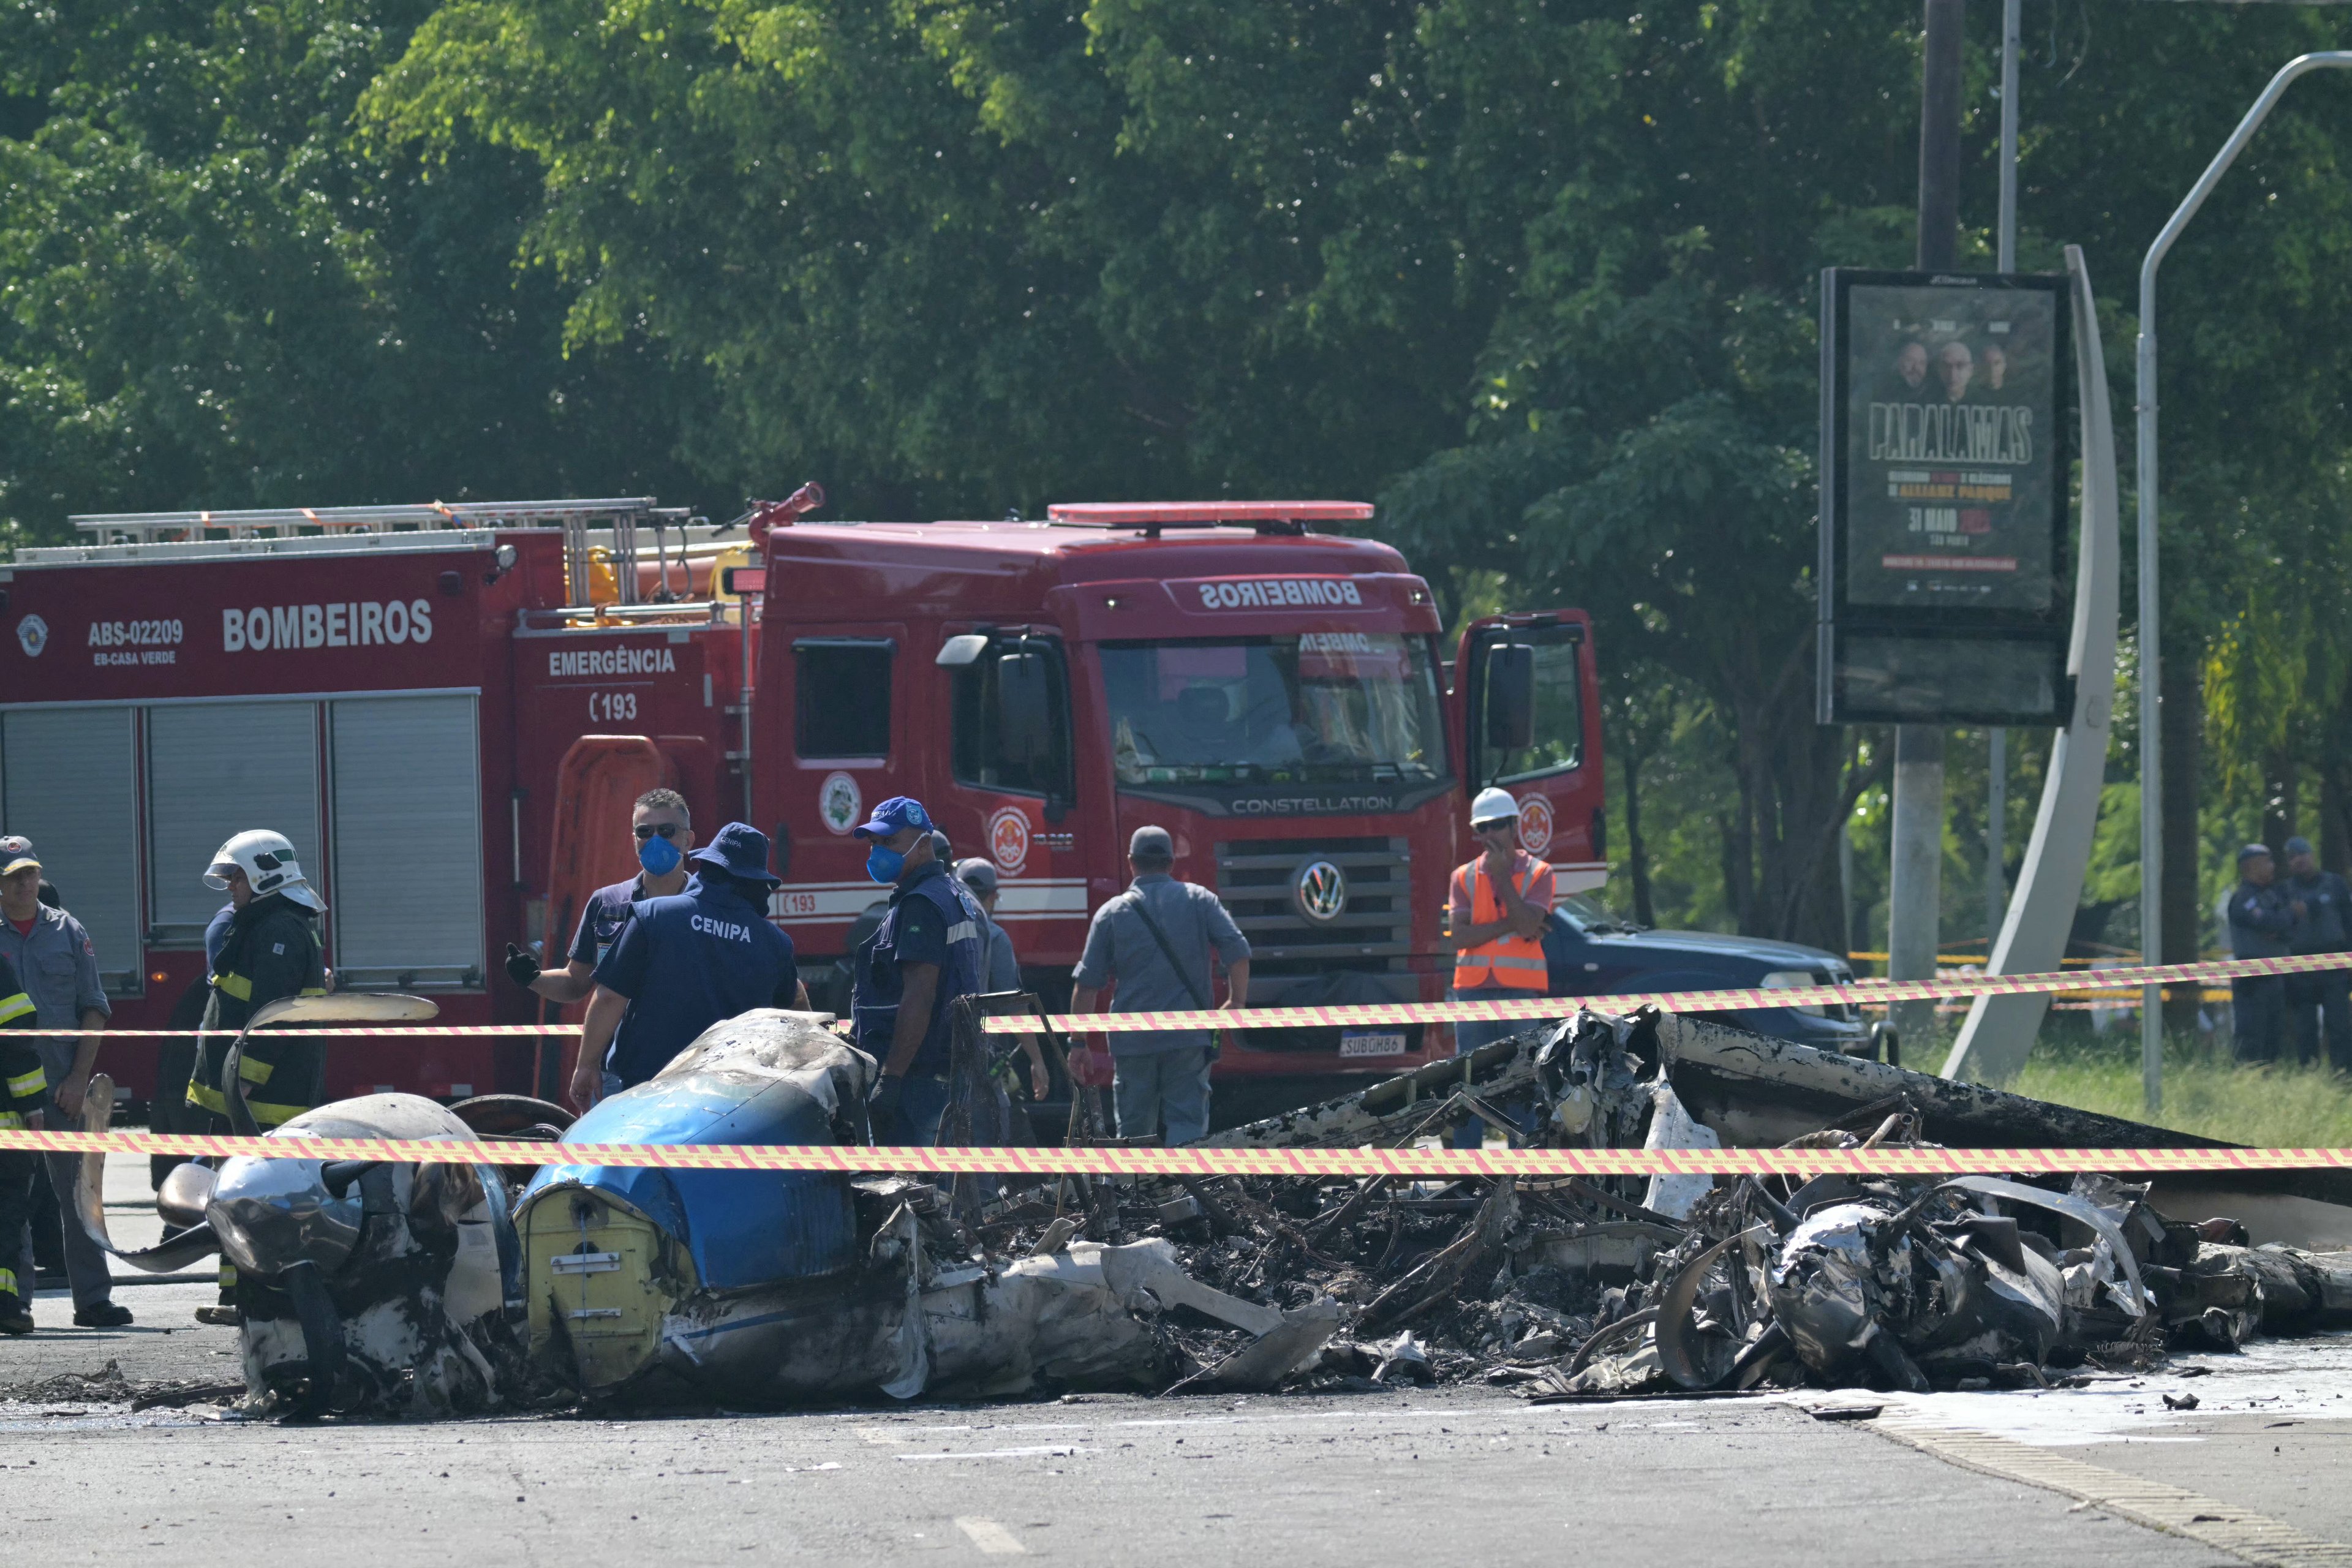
(2274, 1105)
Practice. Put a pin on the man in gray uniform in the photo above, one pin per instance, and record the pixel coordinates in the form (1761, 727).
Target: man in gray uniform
(2260, 920)
(1000, 970)
(53, 957)
(2322, 905)
(999, 967)
(1155, 941)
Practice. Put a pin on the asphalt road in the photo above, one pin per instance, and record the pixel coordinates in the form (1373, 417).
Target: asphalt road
(1435, 1475)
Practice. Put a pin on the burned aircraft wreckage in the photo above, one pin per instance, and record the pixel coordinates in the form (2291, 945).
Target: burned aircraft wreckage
(669, 1287)
(361, 1284)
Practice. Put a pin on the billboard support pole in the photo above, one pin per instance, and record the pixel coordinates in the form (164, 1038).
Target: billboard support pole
(1998, 1033)
(1915, 884)
(2005, 260)
(2151, 784)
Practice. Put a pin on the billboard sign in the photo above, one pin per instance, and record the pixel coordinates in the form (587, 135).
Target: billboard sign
(1945, 454)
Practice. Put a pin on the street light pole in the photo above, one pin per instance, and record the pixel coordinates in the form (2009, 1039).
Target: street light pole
(2011, 27)
(2151, 778)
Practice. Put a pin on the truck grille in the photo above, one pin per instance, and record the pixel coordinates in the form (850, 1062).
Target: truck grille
(1257, 878)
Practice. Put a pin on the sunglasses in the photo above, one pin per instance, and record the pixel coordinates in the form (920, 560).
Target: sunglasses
(646, 830)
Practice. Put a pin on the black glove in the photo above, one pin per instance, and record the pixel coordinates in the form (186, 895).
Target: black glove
(882, 1105)
(521, 967)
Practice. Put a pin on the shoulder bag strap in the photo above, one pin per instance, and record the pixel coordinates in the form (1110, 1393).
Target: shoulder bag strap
(1168, 952)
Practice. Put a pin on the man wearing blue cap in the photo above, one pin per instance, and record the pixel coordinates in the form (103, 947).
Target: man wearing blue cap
(925, 954)
(682, 963)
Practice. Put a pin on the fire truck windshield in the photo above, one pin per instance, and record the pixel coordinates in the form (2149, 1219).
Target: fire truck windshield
(1316, 708)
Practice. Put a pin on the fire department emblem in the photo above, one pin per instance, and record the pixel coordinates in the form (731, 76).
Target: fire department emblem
(840, 802)
(1534, 824)
(1008, 839)
(32, 636)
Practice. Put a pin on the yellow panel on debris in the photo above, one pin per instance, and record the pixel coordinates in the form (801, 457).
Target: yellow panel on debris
(601, 1277)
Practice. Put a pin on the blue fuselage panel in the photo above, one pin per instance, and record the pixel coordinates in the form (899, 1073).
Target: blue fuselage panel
(742, 1227)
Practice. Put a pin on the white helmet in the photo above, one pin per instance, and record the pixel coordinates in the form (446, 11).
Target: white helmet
(1494, 806)
(267, 860)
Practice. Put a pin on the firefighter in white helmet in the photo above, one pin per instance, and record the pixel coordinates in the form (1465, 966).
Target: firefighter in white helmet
(272, 950)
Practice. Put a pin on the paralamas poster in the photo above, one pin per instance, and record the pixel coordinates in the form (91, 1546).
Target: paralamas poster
(1951, 447)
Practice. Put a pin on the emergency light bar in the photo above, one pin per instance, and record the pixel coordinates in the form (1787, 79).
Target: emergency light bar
(1265, 516)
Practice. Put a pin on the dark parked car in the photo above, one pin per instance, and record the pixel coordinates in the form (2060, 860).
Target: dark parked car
(1591, 952)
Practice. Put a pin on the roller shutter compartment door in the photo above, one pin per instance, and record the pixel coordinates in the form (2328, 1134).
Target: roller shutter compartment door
(69, 783)
(215, 770)
(406, 791)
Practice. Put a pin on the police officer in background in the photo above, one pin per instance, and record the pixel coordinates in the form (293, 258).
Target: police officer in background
(925, 953)
(683, 963)
(2259, 921)
(664, 834)
(272, 950)
(2322, 905)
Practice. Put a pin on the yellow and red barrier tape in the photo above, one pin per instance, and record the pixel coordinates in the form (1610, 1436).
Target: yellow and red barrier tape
(1865, 993)
(1208, 1162)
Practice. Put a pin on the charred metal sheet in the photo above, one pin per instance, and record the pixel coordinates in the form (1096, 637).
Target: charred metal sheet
(1757, 1092)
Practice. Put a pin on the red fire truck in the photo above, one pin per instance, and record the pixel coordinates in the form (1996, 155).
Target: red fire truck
(448, 709)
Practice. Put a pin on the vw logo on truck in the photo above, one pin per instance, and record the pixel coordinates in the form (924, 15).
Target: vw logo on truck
(1321, 890)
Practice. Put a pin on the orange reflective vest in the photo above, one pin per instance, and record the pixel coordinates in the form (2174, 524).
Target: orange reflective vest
(1515, 962)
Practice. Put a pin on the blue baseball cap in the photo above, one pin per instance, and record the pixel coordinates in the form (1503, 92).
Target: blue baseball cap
(740, 850)
(893, 817)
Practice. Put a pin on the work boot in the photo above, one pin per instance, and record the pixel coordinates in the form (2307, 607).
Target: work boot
(221, 1315)
(13, 1318)
(105, 1315)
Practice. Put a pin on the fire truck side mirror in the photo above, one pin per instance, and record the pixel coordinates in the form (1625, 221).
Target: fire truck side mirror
(958, 651)
(1510, 697)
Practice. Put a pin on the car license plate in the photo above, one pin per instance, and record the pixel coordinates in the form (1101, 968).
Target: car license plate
(1371, 1043)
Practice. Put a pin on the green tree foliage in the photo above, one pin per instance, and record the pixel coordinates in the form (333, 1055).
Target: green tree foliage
(210, 296)
(974, 255)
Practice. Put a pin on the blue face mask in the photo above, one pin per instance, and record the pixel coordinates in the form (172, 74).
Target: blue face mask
(659, 856)
(884, 864)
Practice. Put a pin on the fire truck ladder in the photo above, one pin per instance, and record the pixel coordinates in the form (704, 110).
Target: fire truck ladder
(621, 514)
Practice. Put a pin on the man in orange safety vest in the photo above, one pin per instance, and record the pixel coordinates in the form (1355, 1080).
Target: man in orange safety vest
(1500, 904)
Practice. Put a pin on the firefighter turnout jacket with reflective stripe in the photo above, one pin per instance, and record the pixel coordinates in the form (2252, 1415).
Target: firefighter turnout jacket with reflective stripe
(23, 1083)
(23, 1089)
(1511, 962)
(272, 950)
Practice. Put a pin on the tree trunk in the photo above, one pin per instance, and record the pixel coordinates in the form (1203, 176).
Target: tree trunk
(1739, 867)
(2182, 719)
(2335, 789)
(1781, 873)
(1637, 854)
